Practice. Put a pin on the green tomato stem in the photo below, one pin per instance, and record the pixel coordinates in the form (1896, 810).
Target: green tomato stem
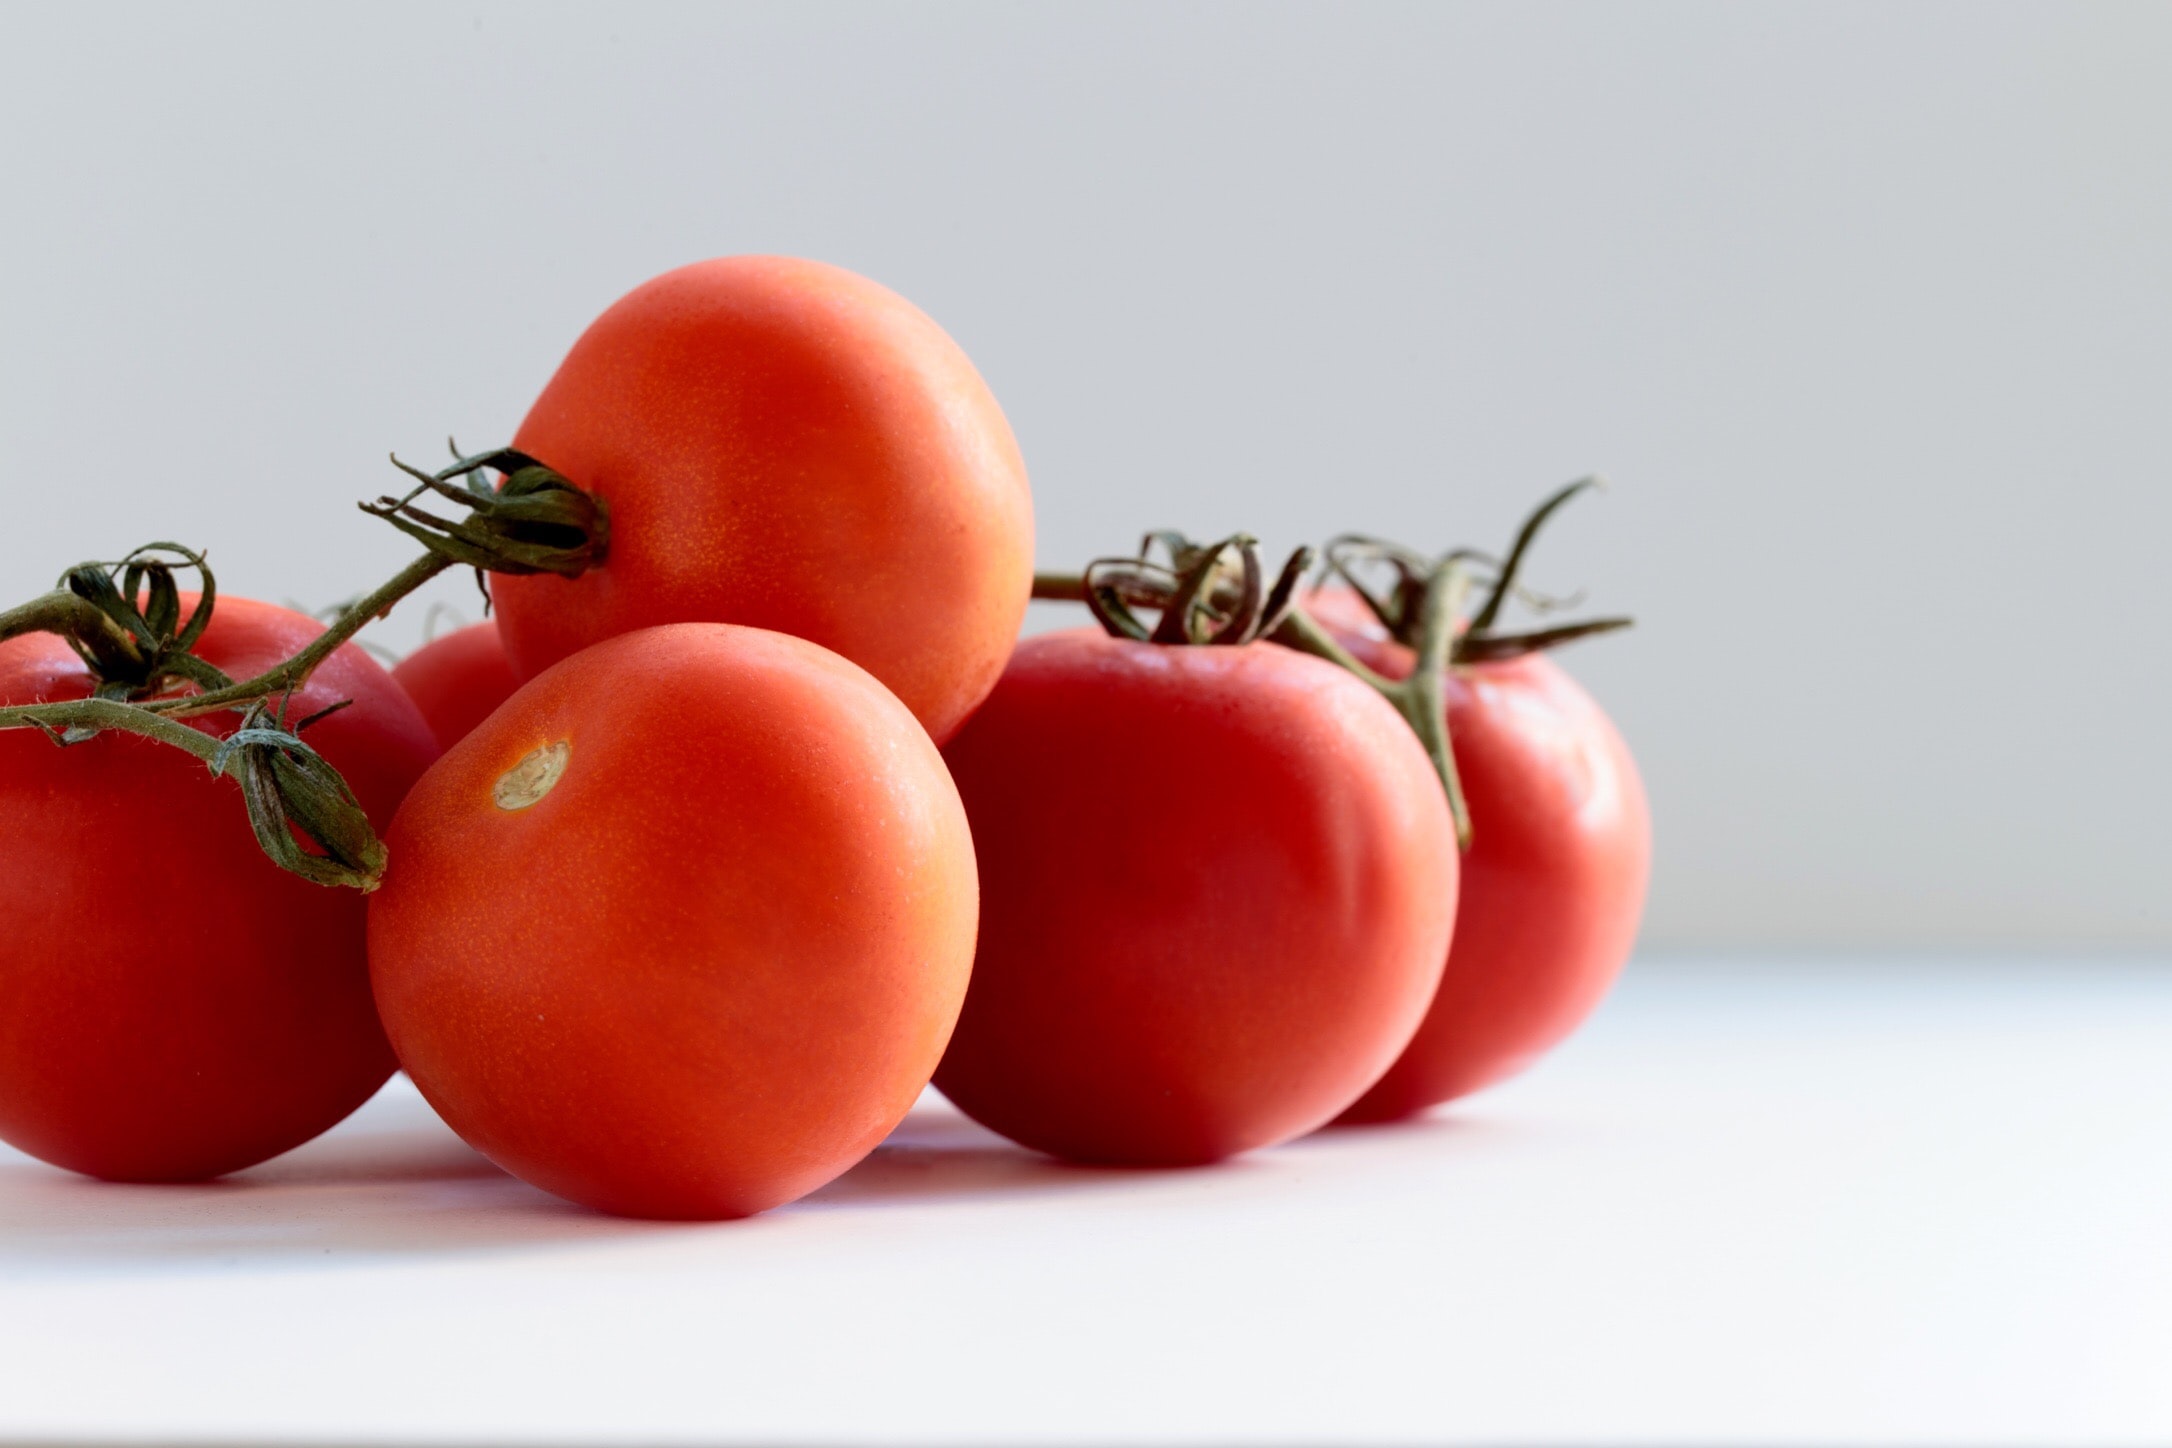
(1421, 699)
(62, 612)
(139, 650)
(287, 677)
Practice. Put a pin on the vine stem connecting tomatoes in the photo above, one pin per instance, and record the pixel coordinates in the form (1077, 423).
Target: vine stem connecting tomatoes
(1422, 608)
(131, 634)
(1152, 996)
(775, 818)
(175, 1006)
(1554, 874)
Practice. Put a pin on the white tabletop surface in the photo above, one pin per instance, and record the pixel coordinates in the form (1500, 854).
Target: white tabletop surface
(1755, 1202)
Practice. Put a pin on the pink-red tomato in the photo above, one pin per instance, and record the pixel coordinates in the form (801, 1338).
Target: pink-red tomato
(456, 680)
(173, 1006)
(790, 446)
(1217, 886)
(1553, 884)
(681, 929)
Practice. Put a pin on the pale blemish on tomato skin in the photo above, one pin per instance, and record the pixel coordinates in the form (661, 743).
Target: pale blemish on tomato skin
(535, 776)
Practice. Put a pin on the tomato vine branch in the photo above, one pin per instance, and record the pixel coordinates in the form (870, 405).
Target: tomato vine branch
(62, 612)
(1421, 607)
(1421, 696)
(1214, 595)
(131, 636)
(1401, 604)
(293, 674)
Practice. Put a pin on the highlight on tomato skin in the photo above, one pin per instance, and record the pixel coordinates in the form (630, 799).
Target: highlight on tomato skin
(1217, 889)
(786, 445)
(681, 929)
(179, 1007)
(1553, 884)
(457, 679)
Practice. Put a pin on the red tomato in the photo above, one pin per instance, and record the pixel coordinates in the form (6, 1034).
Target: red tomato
(175, 1005)
(680, 930)
(458, 679)
(1217, 885)
(790, 446)
(1553, 884)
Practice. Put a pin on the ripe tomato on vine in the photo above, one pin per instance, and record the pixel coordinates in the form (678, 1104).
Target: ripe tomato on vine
(1217, 882)
(681, 929)
(786, 445)
(1559, 852)
(178, 1006)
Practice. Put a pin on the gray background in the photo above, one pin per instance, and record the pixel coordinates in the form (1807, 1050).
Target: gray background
(1867, 312)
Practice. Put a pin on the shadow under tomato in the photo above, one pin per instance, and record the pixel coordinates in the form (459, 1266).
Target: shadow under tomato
(395, 1181)
(391, 1181)
(1450, 1119)
(50, 1221)
(937, 1152)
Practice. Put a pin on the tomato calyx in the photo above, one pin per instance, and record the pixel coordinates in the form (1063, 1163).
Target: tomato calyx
(1215, 594)
(129, 633)
(124, 620)
(536, 522)
(533, 521)
(1399, 601)
(1208, 594)
(291, 788)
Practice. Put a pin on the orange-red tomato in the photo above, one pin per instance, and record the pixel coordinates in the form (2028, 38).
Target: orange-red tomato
(174, 1006)
(456, 680)
(681, 929)
(1553, 884)
(786, 445)
(1217, 885)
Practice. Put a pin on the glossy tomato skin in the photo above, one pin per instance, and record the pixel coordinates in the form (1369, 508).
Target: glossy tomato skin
(173, 1006)
(787, 445)
(1553, 884)
(711, 966)
(1217, 887)
(457, 679)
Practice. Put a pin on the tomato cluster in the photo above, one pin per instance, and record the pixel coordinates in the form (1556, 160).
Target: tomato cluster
(749, 815)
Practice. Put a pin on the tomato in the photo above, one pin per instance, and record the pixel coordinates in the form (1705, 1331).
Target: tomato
(173, 1006)
(1553, 884)
(1217, 886)
(458, 679)
(786, 445)
(681, 929)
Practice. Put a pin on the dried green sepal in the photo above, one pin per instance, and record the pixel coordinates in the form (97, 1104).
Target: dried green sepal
(129, 631)
(1400, 602)
(1213, 595)
(291, 788)
(535, 521)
